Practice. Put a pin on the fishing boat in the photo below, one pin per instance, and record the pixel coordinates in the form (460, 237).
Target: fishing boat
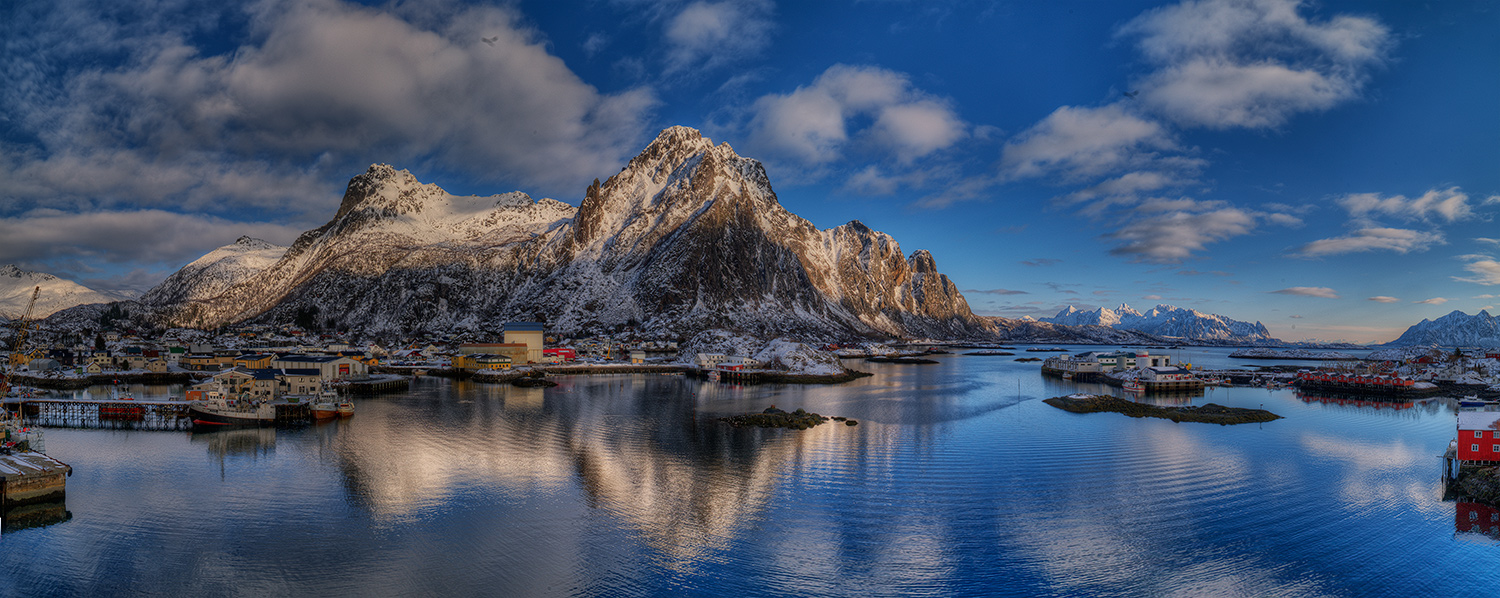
(210, 408)
(713, 375)
(326, 405)
(1134, 387)
(346, 408)
(1472, 401)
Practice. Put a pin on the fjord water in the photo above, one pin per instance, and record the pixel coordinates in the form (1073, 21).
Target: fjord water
(957, 481)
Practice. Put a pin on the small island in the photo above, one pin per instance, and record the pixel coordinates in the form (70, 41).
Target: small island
(907, 359)
(776, 418)
(1208, 414)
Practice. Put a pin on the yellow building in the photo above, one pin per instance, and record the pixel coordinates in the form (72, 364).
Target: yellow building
(481, 361)
(529, 333)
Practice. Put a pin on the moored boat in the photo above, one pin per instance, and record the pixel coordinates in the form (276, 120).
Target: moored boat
(1134, 387)
(346, 408)
(326, 405)
(211, 408)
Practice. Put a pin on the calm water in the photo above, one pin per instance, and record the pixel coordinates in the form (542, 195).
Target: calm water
(958, 481)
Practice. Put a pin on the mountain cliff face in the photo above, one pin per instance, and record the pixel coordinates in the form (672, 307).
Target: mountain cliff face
(16, 286)
(688, 236)
(212, 274)
(1166, 321)
(1457, 329)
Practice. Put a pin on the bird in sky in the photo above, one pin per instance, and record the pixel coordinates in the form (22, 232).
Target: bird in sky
(1132, 94)
(489, 40)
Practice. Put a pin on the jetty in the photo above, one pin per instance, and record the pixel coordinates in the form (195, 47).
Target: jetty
(103, 413)
(30, 477)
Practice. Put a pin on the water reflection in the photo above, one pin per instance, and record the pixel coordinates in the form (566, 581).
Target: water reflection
(34, 516)
(1476, 518)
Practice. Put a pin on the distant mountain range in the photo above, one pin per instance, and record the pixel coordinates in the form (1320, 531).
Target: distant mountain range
(1167, 321)
(1457, 329)
(57, 294)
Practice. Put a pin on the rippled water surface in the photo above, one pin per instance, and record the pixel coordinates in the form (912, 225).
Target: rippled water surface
(958, 481)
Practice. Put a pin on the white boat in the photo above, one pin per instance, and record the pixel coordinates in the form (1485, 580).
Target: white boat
(326, 405)
(1134, 387)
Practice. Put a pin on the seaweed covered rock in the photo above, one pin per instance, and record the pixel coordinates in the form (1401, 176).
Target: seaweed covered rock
(1209, 413)
(776, 418)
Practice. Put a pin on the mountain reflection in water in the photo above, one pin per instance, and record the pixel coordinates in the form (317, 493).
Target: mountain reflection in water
(957, 481)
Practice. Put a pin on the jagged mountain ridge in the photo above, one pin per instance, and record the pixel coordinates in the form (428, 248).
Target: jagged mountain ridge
(57, 294)
(1166, 321)
(1457, 329)
(688, 236)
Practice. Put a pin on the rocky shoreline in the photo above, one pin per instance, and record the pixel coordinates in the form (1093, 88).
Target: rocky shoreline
(1208, 414)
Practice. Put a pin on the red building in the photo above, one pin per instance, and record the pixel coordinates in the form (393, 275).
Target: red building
(567, 354)
(1479, 436)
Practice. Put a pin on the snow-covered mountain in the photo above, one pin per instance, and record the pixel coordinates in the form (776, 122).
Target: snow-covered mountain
(1166, 321)
(57, 294)
(212, 274)
(1457, 329)
(688, 236)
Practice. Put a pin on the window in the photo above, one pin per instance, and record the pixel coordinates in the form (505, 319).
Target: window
(1495, 448)
(1478, 434)
(1473, 448)
(1495, 434)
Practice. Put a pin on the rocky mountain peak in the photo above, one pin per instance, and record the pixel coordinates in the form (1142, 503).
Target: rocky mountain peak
(922, 263)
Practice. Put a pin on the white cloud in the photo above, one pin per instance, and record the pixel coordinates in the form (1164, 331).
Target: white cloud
(1487, 239)
(1320, 292)
(812, 123)
(1433, 301)
(1250, 63)
(1175, 235)
(1399, 240)
(1384, 299)
(1121, 190)
(122, 236)
(1450, 204)
(711, 34)
(1083, 143)
(1486, 272)
(338, 81)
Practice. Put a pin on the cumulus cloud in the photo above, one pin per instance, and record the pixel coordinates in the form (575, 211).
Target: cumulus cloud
(812, 123)
(1399, 240)
(1433, 301)
(1250, 63)
(1179, 229)
(1485, 271)
(1320, 292)
(1449, 204)
(329, 79)
(1078, 143)
(711, 34)
(1384, 299)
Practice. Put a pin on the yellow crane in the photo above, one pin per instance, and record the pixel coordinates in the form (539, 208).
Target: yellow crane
(21, 331)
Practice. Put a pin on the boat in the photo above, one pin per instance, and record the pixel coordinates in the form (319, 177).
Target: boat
(346, 408)
(1472, 401)
(418, 372)
(713, 375)
(1067, 376)
(1134, 387)
(326, 405)
(218, 408)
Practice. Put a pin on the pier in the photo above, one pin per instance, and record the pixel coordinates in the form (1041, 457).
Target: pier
(103, 413)
(29, 477)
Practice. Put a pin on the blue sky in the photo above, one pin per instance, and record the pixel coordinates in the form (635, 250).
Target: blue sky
(1330, 169)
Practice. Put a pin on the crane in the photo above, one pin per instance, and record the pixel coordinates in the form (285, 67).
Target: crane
(22, 329)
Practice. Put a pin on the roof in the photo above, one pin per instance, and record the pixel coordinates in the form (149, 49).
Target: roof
(525, 327)
(1477, 420)
(311, 358)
